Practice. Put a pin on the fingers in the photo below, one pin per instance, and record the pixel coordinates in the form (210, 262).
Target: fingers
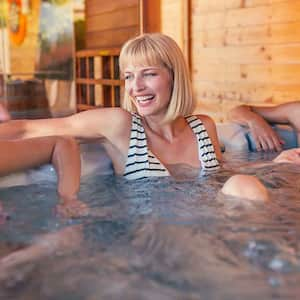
(72, 209)
(268, 142)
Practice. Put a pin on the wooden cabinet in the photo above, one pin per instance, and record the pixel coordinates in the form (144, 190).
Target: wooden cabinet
(98, 82)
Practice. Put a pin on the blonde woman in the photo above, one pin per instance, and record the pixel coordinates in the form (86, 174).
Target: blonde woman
(155, 133)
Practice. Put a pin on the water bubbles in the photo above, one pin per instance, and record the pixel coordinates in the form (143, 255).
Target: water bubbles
(274, 281)
(276, 264)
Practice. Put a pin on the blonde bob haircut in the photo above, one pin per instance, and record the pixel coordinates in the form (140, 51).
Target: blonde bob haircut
(156, 49)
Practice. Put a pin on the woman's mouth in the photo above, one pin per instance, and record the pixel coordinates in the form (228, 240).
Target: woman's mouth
(144, 100)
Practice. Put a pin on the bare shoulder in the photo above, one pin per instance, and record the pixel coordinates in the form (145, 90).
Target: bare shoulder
(207, 121)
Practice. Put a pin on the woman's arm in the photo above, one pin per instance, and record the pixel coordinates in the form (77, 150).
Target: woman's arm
(95, 123)
(256, 119)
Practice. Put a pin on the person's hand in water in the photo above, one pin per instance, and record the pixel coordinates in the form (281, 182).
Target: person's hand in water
(289, 156)
(4, 114)
(72, 208)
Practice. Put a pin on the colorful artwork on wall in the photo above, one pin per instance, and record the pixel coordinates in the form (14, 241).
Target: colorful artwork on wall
(56, 39)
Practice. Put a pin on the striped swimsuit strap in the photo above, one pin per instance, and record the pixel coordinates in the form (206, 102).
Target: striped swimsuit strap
(207, 154)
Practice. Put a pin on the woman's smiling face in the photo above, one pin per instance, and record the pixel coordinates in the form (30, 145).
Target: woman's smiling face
(150, 89)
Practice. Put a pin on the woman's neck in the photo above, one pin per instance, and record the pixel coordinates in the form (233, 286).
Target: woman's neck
(167, 131)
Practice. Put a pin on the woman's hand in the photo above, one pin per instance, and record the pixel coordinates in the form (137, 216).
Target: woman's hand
(72, 208)
(264, 136)
(256, 119)
(289, 156)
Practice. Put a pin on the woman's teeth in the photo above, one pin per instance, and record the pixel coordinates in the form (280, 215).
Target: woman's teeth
(144, 98)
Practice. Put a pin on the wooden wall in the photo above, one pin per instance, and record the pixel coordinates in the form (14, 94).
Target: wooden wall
(244, 52)
(240, 51)
(110, 23)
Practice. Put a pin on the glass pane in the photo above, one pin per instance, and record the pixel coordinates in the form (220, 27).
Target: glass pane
(37, 57)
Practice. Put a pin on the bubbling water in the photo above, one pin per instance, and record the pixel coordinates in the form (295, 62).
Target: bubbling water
(158, 238)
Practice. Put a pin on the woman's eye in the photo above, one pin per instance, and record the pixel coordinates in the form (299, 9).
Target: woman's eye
(150, 74)
(128, 76)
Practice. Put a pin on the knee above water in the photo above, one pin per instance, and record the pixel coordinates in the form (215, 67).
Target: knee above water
(245, 186)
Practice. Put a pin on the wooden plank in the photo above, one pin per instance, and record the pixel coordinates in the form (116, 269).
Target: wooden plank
(235, 55)
(286, 93)
(287, 11)
(272, 73)
(218, 110)
(173, 10)
(211, 107)
(254, 35)
(205, 6)
(283, 54)
(245, 92)
(101, 52)
(151, 15)
(281, 12)
(96, 7)
(111, 20)
(245, 52)
(209, 21)
(110, 38)
(287, 74)
(100, 81)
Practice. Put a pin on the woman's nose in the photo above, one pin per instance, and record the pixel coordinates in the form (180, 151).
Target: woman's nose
(138, 84)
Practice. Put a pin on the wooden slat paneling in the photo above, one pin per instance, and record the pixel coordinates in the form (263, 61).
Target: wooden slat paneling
(110, 38)
(96, 7)
(254, 35)
(245, 52)
(111, 23)
(111, 20)
(282, 12)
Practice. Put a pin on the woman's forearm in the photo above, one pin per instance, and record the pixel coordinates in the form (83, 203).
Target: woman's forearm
(62, 152)
(66, 160)
(14, 129)
(242, 115)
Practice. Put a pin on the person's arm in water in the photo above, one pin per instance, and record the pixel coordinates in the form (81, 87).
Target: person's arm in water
(257, 118)
(62, 152)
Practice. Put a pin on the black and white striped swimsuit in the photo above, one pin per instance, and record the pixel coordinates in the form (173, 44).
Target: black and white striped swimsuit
(141, 162)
